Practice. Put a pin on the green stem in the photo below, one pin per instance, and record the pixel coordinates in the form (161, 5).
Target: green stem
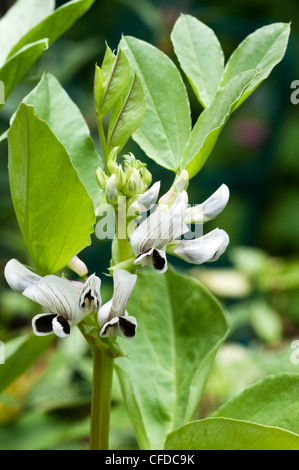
(101, 399)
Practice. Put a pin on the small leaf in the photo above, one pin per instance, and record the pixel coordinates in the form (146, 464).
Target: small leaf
(53, 105)
(273, 401)
(230, 434)
(12, 72)
(126, 115)
(55, 24)
(19, 20)
(115, 77)
(180, 328)
(54, 211)
(166, 125)
(211, 121)
(261, 50)
(200, 56)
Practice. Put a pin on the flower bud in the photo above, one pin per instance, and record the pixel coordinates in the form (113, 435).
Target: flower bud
(102, 178)
(77, 265)
(146, 177)
(182, 181)
(120, 177)
(111, 191)
(133, 184)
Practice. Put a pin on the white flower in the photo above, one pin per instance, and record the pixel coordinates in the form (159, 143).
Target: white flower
(113, 316)
(209, 209)
(157, 235)
(146, 200)
(65, 304)
(200, 250)
(150, 238)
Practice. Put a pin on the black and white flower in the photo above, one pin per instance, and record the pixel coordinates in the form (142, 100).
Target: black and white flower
(66, 304)
(113, 316)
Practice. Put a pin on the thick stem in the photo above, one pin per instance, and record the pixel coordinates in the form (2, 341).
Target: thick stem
(101, 399)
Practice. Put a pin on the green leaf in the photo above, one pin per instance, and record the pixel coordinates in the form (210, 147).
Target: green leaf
(230, 434)
(54, 25)
(180, 328)
(19, 20)
(53, 105)
(126, 115)
(273, 401)
(200, 55)
(54, 211)
(206, 131)
(115, 75)
(12, 72)
(166, 125)
(261, 50)
(20, 354)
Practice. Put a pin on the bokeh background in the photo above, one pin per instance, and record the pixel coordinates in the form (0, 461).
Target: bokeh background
(256, 280)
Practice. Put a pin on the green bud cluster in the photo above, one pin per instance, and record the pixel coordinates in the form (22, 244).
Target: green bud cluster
(128, 179)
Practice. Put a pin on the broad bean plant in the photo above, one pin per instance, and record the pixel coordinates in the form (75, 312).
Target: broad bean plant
(160, 330)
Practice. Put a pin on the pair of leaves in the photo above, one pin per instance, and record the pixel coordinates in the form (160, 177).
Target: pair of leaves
(165, 132)
(27, 29)
(114, 87)
(262, 417)
(180, 328)
(51, 160)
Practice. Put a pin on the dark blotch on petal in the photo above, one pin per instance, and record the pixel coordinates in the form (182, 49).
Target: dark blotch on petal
(44, 324)
(65, 324)
(158, 260)
(128, 328)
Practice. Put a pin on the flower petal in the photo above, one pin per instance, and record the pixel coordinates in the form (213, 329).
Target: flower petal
(127, 327)
(90, 297)
(155, 232)
(200, 250)
(61, 327)
(18, 276)
(42, 324)
(209, 209)
(110, 328)
(58, 296)
(159, 261)
(149, 198)
(145, 258)
(124, 283)
(104, 313)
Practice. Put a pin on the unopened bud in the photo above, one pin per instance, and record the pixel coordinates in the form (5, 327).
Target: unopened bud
(120, 177)
(77, 265)
(111, 192)
(133, 184)
(146, 177)
(102, 178)
(182, 181)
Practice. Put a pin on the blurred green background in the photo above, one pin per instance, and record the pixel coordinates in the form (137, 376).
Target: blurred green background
(256, 280)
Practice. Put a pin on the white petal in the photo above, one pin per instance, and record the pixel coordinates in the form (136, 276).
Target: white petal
(42, 324)
(18, 276)
(104, 313)
(78, 266)
(58, 296)
(178, 211)
(124, 283)
(61, 327)
(156, 232)
(209, 209)
(110, 328)
(90, 297)
(149, 198)
(145, 258)
(200, 250)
